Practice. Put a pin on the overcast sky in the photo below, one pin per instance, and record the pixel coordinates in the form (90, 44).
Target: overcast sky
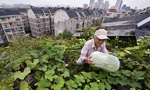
(140, 4)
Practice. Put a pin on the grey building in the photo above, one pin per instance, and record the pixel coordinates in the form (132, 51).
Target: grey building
(11, 24)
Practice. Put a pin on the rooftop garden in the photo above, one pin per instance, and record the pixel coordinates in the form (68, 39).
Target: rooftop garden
(50, 64)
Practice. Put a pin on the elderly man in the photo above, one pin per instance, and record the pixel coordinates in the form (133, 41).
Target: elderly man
(95, 44)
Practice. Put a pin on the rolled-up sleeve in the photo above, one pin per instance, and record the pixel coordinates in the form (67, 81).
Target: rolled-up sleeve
(83, 55)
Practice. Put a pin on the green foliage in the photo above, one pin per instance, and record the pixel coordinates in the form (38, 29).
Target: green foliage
(27, 30)
(65, 35)
(50, 64)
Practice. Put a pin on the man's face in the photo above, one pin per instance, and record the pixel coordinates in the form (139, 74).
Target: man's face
(98, 42)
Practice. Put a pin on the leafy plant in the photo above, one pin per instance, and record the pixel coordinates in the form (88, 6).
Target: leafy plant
(50, 64)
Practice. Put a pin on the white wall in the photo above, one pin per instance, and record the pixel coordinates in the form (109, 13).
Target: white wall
(60, 15)
(31, 14)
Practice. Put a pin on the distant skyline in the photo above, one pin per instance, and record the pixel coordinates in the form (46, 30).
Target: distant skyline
(140, 4)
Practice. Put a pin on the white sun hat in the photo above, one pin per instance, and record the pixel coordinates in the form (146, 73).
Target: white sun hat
(101, 34)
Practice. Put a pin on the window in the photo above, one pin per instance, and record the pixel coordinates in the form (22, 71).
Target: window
(37, 16)
(21, 28)
(47, 19)
(12, 29)
(10, 23)
(5, 26)
(3, 18)
(1, 39)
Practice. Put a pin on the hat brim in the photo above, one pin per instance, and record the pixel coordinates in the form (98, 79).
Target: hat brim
(102, 37)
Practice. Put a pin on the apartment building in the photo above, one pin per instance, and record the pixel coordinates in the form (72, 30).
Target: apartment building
(42, 21)
(3, 38)
(52, 12)
(65, 19)
(11, 24)
(24, 16)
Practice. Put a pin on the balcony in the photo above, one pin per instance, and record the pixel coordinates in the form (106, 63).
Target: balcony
(19, 24)
(4, 21)
(38, 21)
(17, 18)
(8, 31)
(11, 20)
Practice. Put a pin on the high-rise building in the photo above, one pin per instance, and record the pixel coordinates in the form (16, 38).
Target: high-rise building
(95, 5)
(124, 7)
(118, 4)
(100, 4)
(91, 3)
(112, 7)
(127, 8)
(106, 6)
(85, 5)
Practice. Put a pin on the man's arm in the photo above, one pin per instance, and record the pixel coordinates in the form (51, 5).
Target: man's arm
(83, 57)
(83, 54)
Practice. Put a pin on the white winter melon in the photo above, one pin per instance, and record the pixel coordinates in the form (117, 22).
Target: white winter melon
(104, 61)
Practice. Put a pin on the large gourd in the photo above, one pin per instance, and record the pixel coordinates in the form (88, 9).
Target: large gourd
(104, 61)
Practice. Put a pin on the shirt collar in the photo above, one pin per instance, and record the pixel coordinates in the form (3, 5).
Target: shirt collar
(93, 44)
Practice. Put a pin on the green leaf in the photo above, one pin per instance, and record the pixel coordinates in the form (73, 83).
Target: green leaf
(66, 73)
(42, 84)
(102, 86)
(122, 54)
(17, 62)
(79, 79)
(34, 53)
(87, 87)
(32, 65)
(49, 75)
(135, 84)
(118, 73)
(132, 89)
(71, 84)
(49, 44)
(22, 75)
(127, 51)
(24, 85)
(43, 67)
(6, 86)
(123, 80)
(59, 83)
(57, 57)
(51, 53)
(138, 74)
(112, 80)
(38, 75)
(44, 58)
(108, 86)
(147, 84)
(94, 75)
(147, 52)
(126, 72)
(94, 86)
(87, 76)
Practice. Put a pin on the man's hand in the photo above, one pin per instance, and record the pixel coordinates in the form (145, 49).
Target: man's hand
(89, 61)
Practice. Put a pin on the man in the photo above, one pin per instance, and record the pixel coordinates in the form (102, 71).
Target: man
(95, 44)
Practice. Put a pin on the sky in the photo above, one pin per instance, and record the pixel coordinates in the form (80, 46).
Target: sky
(140, 4)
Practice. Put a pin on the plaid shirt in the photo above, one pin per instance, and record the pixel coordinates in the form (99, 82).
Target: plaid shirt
(88, 48)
